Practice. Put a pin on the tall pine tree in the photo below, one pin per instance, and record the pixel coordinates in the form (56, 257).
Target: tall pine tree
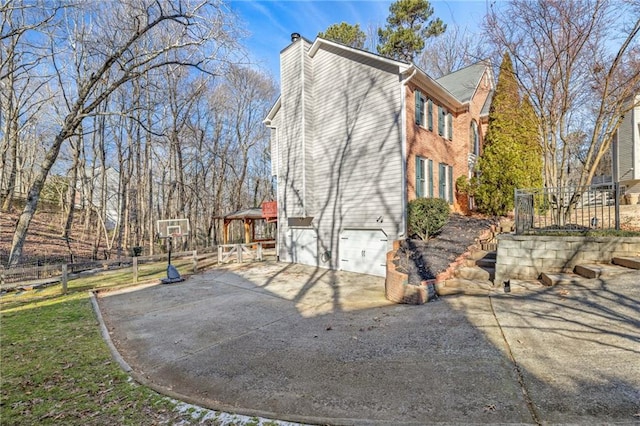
(350, 35)
(511, 157)
(408, 25)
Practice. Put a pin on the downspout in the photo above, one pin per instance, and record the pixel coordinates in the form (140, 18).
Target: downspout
(403, 141)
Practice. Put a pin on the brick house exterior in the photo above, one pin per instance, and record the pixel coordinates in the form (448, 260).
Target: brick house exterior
(354, 137)
(457, 150)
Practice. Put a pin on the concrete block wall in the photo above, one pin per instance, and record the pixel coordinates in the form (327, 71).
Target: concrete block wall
(527, 256)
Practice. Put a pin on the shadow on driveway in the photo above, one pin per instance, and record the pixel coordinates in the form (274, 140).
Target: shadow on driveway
(312, 345)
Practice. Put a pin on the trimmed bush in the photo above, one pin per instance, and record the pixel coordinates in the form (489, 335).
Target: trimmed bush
(427, 216)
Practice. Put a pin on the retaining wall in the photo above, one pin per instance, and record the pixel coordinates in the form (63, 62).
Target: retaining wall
(527, 256)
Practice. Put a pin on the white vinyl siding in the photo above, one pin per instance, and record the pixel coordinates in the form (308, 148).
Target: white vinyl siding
(291, 176)
(274, 151)
(290, 132)
(358, 146)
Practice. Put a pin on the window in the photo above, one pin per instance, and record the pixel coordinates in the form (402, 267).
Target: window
(424, 177)
(420, 177)
(445, 182)
(419, 108)
(474, 139)
(445, 123)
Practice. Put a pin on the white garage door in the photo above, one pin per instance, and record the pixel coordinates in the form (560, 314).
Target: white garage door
(363, 251)
(304, 246)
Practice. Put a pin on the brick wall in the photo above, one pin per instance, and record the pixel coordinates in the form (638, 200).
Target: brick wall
(527, 256)
(428, 144)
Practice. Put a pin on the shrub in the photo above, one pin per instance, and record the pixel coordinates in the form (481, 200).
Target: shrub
(427, 216)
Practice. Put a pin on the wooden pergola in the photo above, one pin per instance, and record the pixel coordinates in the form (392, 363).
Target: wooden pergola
(248, 218)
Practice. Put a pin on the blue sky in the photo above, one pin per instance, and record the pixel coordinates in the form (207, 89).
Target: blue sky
(270, 23)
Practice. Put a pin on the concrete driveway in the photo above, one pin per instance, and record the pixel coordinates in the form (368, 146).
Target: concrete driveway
(309, 345)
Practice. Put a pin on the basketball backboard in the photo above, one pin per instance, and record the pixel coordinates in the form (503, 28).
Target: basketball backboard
(173, 228)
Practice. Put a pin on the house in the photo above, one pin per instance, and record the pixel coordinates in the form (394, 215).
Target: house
(354, 137)
(626, 150)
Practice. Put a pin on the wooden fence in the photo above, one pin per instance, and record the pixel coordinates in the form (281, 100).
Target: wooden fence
(39, 276)
(240, 252)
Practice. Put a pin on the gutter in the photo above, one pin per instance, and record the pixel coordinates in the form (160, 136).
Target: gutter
(403, 137)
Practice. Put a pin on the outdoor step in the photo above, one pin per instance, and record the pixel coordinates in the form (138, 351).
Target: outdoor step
(486, 262)
(479, 254)
(599, 270)
(627, 262)
(475, 273)
(454, 286)
(550, 279)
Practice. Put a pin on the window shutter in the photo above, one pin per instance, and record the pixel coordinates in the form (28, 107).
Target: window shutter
(440, 121)
(430, 178)
(450, 126)
(419, 107)
(430, 115)
(450, 170)
(419, 177)
(441, 180)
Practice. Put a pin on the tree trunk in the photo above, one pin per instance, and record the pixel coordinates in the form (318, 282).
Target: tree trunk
(17, 245)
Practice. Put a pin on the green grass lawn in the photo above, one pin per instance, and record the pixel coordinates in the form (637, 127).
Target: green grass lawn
(55, 367)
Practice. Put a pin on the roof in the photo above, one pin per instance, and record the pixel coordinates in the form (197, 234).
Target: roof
(253, 213)
(360, 52)
(456, 89)
(463, 83)
(487, 105)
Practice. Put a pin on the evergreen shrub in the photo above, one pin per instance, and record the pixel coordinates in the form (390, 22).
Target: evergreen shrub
(427, 216)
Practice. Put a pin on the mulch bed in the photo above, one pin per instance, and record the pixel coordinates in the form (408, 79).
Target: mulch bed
(424, 260)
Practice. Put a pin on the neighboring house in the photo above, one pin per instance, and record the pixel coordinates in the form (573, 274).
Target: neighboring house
(108, 197)
(626, 150)
(354, 137)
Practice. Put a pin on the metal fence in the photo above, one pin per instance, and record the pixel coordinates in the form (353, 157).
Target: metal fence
(572, 209)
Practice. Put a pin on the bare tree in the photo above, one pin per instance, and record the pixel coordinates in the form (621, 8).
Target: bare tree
(253, 95)
(22, 80)
(199, 29)
(578, 63)
(451, 51)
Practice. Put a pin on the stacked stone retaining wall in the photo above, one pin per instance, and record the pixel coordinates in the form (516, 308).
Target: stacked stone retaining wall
(527, 256)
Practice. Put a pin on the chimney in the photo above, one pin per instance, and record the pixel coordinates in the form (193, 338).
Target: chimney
(295, 37)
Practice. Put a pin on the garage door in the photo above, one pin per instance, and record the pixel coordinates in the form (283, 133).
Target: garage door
(363, 251)
(304, 246)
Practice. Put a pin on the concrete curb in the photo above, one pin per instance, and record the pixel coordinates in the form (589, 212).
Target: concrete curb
(106, 337)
